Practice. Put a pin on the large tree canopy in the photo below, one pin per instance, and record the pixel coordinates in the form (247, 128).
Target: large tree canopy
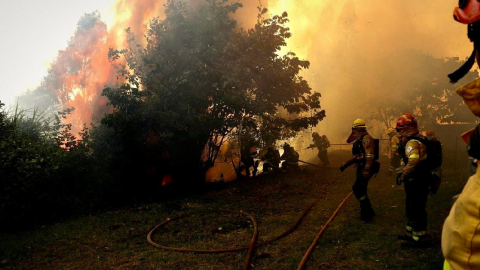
(200, 78)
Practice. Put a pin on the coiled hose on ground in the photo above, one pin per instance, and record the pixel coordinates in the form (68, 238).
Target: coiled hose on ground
(253, 241)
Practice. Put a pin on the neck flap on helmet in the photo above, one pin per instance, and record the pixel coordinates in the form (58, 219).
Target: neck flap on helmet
(474, 36)
(473, 137)
(356, 134)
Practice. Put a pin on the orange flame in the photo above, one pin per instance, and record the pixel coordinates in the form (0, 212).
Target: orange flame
(81, 71)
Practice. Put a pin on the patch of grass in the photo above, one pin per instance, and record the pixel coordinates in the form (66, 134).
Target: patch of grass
(117, 239)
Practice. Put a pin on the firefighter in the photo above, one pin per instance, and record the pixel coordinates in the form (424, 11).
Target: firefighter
(394, 139)
(460, 234)
(248, 155)
(415, 175)
(322, 144)
(324, 153)
(290, 157)
(363, 151)
(271, 159)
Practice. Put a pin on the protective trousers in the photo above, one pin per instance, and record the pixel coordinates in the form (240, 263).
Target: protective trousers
(394, 164)
(323, 156)
(360, 190)
(416, 191)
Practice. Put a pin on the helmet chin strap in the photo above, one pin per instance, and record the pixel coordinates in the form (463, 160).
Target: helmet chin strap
(473, 35)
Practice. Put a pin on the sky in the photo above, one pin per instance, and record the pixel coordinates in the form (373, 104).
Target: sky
(32, 33)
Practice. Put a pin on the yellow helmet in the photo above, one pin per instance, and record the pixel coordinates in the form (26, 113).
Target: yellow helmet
(391, 130)
(359, 123)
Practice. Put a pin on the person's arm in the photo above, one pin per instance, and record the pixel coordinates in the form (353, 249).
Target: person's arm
(412, 152)
(369, 146)
(354, 160)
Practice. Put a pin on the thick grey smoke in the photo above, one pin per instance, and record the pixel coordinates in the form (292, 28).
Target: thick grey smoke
(362, 50)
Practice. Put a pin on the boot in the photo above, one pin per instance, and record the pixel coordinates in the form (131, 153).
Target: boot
(366, 210)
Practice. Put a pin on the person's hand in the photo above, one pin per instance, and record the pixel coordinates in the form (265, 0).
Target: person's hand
(343, 167)
(400, 179)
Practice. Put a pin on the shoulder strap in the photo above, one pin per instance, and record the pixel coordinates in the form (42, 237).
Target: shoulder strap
(419, 139)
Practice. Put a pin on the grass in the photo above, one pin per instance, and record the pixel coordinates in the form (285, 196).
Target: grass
(117, 239)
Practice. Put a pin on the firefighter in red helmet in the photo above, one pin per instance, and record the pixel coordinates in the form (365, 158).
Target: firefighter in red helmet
(415, 175)
(363, 150)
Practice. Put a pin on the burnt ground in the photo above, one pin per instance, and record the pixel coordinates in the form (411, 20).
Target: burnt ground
(117, 239)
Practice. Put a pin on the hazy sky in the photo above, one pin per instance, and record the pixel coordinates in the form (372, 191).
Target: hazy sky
(32, 32)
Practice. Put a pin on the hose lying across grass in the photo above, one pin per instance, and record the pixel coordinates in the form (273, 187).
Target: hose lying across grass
(312, 246)
(253, 241)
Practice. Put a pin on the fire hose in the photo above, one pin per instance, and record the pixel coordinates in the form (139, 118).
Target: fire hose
(317, 238)
(253, 241)
(337, 144)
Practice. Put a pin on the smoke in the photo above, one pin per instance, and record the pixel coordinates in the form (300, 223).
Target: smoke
(82, 70)
(362, 50)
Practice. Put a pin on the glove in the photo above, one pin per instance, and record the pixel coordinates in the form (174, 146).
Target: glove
(399, 179)
(343, 167)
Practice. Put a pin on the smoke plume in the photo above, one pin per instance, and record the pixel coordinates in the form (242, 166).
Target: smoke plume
(361, 51)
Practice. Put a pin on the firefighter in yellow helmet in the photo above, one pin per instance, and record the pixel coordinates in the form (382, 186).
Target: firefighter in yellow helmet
(394, 140)
(415, 175)
(363, 151)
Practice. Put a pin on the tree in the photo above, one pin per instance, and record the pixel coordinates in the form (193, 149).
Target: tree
(200, 79)
(423, 90)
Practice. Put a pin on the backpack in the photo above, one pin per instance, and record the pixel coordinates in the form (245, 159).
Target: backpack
(359, 149)
(434, 153)
(432, 162)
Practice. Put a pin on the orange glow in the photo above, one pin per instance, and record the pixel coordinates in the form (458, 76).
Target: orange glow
(82, 89)
(167, 180)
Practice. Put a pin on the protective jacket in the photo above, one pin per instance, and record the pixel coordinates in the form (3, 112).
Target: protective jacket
(415, 152)
(394, 141)
(272, 157)
(290, 156)
(317, 142)
(394, 155)
(363, 152)
(461, 231)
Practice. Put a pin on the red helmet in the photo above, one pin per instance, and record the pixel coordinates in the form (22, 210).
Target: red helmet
(406, 121)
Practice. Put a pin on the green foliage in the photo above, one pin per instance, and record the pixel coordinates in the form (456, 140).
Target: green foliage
(200, 79)
(46, 172)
